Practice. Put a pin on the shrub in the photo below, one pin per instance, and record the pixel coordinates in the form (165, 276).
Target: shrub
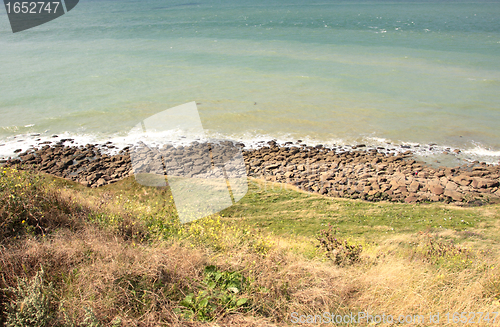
(211, 232)
(28, 206)
(437, 252)
(219, 294)
(262, 245)
(30, 305)
(342, 252)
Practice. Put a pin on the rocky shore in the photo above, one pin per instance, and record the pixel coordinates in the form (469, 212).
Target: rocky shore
(357, 173)
(373, 175)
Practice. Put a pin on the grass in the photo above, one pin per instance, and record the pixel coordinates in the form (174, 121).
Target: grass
(304, 214)
(117, 256)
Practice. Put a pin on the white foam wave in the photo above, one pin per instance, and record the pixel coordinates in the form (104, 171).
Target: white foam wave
(482, 152)
(251, 140)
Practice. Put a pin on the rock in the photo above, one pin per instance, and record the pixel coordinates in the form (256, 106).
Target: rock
(436, 189)
(463, 180)
(414, 187)
(478, 173)
(451, 186)
(384, 187)
(457, 196)
(326, 176)
(435, 198)
(366, 174)
(402, 189)
(411, 199)
(487, 183)
(478, 183)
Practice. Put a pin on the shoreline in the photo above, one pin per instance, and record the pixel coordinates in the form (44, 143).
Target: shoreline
(356, 173)
(432, 154)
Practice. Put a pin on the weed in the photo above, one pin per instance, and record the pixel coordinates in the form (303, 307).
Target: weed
(28, 206)
(159, 282)
(438, 252)
(219, 294)
(91, 319)
(263, 245)
(342, 252)
(30, 305)
(211, 232)
(492, 287)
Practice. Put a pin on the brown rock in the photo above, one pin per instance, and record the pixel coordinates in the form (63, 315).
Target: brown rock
(435, 198)
(402, 189)
(483, 183)
(414, 186)
(457, 196)
(326, 176)
(477, 173)
(451, 186)
(436, 189)
(411, 199)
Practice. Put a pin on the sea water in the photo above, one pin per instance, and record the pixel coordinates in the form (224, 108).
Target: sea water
(381, 73)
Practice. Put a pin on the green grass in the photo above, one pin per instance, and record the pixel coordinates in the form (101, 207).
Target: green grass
(283, 210)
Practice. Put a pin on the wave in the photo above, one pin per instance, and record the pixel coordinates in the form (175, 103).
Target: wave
(431, 153)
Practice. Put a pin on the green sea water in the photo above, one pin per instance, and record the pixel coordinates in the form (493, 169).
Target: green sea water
(329, 72)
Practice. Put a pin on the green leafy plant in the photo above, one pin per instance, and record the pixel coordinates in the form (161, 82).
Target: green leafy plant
(30, 303)
(220, 293)
(91, 319)
(342, 252)
(22, 202)
(29, 205)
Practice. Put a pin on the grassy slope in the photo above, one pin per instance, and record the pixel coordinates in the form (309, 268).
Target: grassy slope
(295, 212)
(123, 257)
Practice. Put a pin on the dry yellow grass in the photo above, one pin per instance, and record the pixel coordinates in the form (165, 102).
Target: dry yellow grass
(121, 272)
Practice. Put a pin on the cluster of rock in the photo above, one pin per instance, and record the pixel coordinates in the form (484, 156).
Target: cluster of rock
(91, 167)
(195, 160)
(202, 163)
(373, 175)
(365, 174)
(86, 165)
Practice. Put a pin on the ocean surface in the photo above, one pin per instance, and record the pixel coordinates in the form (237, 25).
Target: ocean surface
(424, 74)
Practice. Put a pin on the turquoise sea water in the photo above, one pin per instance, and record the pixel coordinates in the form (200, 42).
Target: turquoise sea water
(329, 72)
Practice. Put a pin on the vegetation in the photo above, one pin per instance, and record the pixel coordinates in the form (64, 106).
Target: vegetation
(340, 251)
(30, 304)
(117, 256)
